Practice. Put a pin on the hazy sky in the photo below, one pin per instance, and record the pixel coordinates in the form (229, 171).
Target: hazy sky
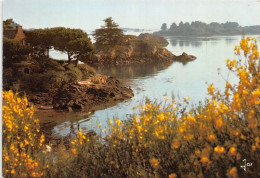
(148, 14)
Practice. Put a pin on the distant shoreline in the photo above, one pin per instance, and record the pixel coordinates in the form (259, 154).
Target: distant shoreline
(212, 35)
(198, 28)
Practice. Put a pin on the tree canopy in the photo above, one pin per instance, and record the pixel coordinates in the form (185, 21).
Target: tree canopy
(74, 42)
(7, 24)
(13, 51)
(41, 40)
(109, 34)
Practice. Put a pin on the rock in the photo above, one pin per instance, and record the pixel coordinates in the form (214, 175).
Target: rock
(91, 133)
(157, 39)
(184, 57)
(101, 90)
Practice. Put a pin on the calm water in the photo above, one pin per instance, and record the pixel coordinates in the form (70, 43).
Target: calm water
(157, 81)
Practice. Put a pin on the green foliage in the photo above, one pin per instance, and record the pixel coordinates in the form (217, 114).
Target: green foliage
(44, 81)
(41, 40)
(49, 64)
(52, 75)
(13, 51)
(109, 34)
(72, 73)
(81, 48)
(74, 42)
(7, 24)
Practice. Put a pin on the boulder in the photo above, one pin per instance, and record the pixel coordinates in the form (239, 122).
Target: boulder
(184, 57)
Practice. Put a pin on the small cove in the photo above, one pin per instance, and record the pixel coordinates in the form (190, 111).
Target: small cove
(155, 81)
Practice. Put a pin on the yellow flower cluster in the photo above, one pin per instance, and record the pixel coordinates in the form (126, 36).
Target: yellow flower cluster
(77, 142)
(21, 138)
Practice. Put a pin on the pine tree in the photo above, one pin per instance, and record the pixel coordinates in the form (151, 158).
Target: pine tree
(164, 27)
(109, 34)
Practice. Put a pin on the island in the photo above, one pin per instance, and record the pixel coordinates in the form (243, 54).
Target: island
(198, 28)
(120, 49)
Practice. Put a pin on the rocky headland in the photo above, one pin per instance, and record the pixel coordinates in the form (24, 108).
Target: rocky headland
(145, 48)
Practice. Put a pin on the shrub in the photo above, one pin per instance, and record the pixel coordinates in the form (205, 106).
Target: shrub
(23, 143)
(87, 71)
(49, 64)
(72, 73)
(45, 81)
(53, 77)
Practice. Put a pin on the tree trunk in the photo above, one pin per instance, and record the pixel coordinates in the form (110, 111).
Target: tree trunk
(69, 59)
(76, 62)
(48, 52)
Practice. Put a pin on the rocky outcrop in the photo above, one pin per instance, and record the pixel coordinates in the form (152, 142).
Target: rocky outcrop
(137, 50)
(134, 50)
(157, 39)
(184, 57)
(95, 93)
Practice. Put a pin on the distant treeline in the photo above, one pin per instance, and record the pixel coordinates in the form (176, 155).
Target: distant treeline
(201, 28)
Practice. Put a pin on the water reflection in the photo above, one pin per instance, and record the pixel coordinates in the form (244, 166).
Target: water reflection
(192, 41)
(61, 123)
(230, 40)
(181, 43)
(133, 71)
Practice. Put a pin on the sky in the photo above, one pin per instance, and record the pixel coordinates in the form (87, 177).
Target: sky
(143, 14)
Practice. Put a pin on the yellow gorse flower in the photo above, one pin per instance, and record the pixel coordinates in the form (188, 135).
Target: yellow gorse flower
(204, 160)
(172, 175)
(154, 163)
(19, 128)
(219, 149)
